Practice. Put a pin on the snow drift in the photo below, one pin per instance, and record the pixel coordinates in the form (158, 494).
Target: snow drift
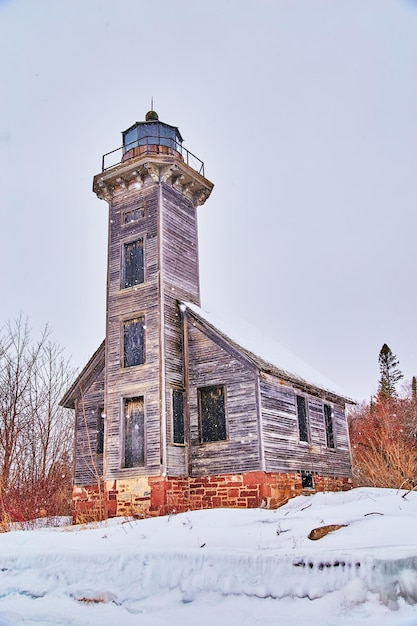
(256, 556)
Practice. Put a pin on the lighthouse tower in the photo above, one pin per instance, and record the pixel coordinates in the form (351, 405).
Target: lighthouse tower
(152, 193)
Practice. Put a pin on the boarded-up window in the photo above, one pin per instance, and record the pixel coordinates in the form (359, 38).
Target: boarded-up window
(307, 480)
(178, 415)
(133, 272)
(302, 418)
(134, 432)
(212, 413)
(133, 215)
(134, 342)
(328, 421)
(100, 430)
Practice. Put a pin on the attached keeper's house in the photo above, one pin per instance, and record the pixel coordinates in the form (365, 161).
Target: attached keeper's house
(174, 411)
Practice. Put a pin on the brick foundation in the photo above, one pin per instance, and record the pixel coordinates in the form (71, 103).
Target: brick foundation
(158, 495)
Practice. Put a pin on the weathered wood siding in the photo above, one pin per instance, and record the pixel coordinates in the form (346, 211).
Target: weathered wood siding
(181, 283)
(282, 447)
(211, 363)
(124, 304)
(180, 246)
(171, 268)
(88, 468)
(174, 379)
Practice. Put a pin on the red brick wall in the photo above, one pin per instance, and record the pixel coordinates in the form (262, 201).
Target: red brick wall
(174, 495)
(254, 489)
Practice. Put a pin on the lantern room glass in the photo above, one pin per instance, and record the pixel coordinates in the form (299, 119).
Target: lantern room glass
(152, 133)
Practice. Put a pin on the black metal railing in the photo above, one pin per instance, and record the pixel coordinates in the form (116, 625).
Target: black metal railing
(150, 145)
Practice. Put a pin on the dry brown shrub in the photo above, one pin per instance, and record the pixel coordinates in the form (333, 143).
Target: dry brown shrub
(384, 445)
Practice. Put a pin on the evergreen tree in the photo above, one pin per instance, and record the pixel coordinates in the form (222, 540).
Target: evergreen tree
(390, 374)
(414, 387)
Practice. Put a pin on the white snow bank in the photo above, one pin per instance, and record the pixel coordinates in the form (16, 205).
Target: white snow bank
(258, 563)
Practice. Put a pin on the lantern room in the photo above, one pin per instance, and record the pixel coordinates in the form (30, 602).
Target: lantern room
(151, 136)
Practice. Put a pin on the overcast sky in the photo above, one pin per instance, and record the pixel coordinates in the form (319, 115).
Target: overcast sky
(305, 114)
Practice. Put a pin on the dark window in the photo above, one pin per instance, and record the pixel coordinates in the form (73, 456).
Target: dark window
(212, 413)
(328, 421)
(134, 342)
(302, 418)
(134, 432)
(100, 431)
(133, 273)
(307, 480)
(178, 415)
(134, 215)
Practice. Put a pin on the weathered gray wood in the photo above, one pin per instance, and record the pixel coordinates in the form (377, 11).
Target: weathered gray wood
(212, 364)
(124, 304)
(283, 450)
(88, 465)
(169, 230)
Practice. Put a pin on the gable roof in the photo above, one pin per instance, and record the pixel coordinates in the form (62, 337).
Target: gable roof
(263, 352)
(85, 378)
(267, 354)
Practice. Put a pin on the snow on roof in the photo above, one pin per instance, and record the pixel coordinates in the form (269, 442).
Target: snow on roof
(274, 356)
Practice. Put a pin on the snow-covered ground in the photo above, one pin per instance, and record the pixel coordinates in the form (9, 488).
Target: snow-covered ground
(223, 567)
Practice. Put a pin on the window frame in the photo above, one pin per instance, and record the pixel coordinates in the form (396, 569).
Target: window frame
(307, 476)
(329, 422)
(126, 212)
(306, 420)
(124, 322)
(100, 431)
(200, 391)
(123, 244)
(177, 391)
(124, 401)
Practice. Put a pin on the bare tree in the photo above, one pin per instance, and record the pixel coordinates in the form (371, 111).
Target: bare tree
(52, 423)
(17, 362)
(35, 432)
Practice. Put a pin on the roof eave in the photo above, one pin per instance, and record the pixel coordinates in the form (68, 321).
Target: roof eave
(84, 378)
